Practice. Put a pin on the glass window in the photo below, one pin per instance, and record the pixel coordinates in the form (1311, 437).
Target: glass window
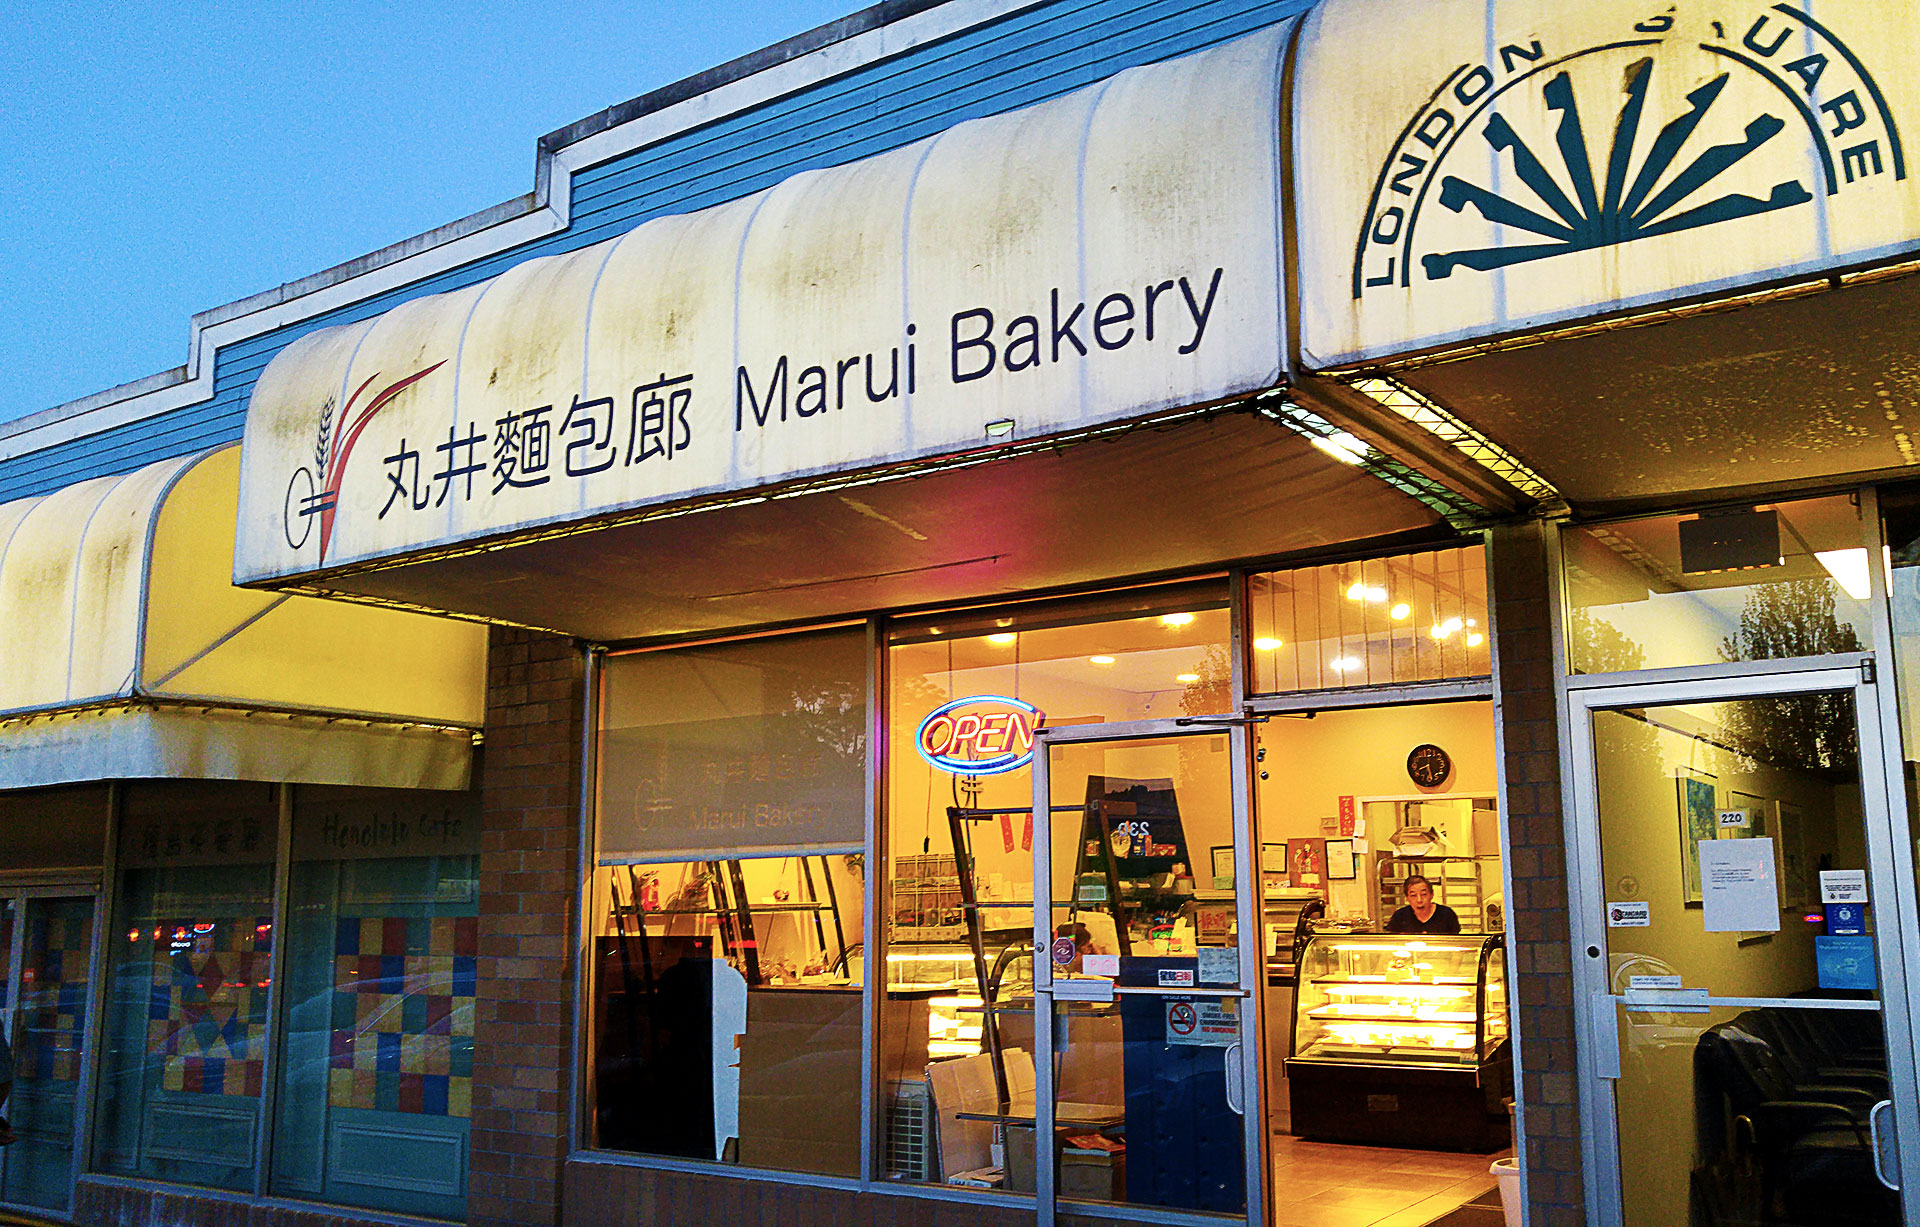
(186, 1019)
(1378, 621)
(379, 973)
(965, 692)
(49, 1030)
(1757, 583)
(726, 913)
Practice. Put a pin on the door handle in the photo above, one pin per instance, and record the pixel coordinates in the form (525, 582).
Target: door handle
(1236, 1075)
(1873, 1139)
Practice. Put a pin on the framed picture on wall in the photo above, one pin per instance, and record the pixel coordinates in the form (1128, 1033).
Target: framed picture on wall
(1307, 859)
(1796, 892)
(1755, 808)
(1340, 864)
(1223, 867)
(1698, 821)
(1273, 858)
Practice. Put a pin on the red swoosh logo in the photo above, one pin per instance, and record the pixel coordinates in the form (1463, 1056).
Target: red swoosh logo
(337, 465)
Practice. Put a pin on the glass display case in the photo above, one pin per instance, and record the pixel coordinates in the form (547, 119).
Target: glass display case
(1402, 1041)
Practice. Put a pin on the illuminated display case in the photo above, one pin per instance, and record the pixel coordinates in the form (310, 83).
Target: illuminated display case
(1402, 1041)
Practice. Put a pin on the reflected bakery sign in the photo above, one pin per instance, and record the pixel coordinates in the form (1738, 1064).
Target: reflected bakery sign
(1541, 164)
(1107, 255)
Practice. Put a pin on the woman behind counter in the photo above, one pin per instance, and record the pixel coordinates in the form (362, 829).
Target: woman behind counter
(1421, 914)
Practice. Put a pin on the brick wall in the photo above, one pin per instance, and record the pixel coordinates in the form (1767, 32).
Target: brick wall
(529, 863)
(1537, 911)
(599, 1193)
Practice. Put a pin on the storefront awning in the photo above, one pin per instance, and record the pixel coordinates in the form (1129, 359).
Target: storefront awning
(128, 653)
(1099, 258)
(1649, 252)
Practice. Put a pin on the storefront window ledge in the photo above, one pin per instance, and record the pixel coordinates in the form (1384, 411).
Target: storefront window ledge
(1737, 669)
(666, 1163)
(373, 1218)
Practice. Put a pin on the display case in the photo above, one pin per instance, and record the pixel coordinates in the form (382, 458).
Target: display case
(1402, 1041)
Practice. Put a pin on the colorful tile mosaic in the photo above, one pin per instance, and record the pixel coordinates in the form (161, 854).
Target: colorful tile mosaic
(207, 1016)
(54, 994)
(403, 1014)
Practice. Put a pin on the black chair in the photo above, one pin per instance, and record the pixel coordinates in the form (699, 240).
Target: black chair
(1802, 1151)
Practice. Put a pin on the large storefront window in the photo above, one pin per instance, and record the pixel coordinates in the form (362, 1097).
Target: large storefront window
(186, 1021)
(726, 913)
(1766, 582)
(1379, 621)
(971, 687)
(379, 980)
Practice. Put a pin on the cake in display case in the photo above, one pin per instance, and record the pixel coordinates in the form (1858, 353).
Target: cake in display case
(1401, 1040)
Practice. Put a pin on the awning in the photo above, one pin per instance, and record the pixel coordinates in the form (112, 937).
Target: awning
(128, 653)
(1103, 257)
(1469, 170)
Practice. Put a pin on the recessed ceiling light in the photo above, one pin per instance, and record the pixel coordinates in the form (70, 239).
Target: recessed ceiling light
(1476, 639)
(1400, 612)
(1266, 645)
(1446, 629)
(1366, 592)
(1342, 664)
(1179, 619)
(1002, 637)
(1187, 677)
(1100, 660)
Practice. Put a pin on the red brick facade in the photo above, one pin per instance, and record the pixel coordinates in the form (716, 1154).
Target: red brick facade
(1527, 687)
(529, 870)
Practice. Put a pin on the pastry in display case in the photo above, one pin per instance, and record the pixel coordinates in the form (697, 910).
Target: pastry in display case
(1402, 1041)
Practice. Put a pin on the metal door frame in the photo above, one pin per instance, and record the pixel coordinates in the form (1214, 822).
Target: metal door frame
(85, 886)
(1889, 874)
(1252, 967)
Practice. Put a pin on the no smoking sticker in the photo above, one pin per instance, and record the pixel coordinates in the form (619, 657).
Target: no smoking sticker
(1203, 1024)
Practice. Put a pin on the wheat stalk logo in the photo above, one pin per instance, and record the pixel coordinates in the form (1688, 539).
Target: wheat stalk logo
(325, 436)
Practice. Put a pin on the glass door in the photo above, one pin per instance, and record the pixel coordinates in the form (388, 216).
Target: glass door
(1738, 925)
(50, 942)
(1147, 955)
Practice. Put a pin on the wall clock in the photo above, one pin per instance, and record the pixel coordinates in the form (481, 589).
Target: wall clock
(1429, 766)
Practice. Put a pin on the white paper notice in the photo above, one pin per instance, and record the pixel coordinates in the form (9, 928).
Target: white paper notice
(1739, 891)
(1843, 886)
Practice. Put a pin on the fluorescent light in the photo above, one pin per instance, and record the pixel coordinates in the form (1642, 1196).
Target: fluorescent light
(1343, 664)
(1002, 637)
(1400, 612)
(1446, 629)
(1179, 619)
(1187, 677)
(1344, 447)
(1849, 570)
(1100, 660)
(1266, 645)
(1476, 639)
(999, 428)
(1365, 592)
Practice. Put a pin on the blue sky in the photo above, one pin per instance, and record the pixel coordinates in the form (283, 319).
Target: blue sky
(160, 159)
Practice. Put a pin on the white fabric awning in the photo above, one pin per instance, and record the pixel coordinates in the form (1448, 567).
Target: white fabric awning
(127, 652)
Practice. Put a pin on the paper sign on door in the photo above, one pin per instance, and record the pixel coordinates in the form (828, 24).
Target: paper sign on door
(1738, 887)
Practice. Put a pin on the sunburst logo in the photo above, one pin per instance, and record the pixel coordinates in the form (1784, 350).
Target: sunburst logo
(1535, 150)
(1632, 202)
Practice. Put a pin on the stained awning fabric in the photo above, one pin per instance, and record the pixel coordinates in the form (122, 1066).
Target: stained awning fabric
(127, 652)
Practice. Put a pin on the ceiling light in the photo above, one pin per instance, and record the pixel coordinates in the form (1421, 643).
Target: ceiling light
(1187, 677)
(1446, 629)
(1179, 619)
(1267, 645)
(1100, 660)
(1002, 637)
(1344, 447)
(1476, 639)
(1366, 592)
(1400, 612)
(1849, 570)
(1342, 664)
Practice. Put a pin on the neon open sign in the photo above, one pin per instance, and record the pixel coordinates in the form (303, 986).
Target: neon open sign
(982, 734)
